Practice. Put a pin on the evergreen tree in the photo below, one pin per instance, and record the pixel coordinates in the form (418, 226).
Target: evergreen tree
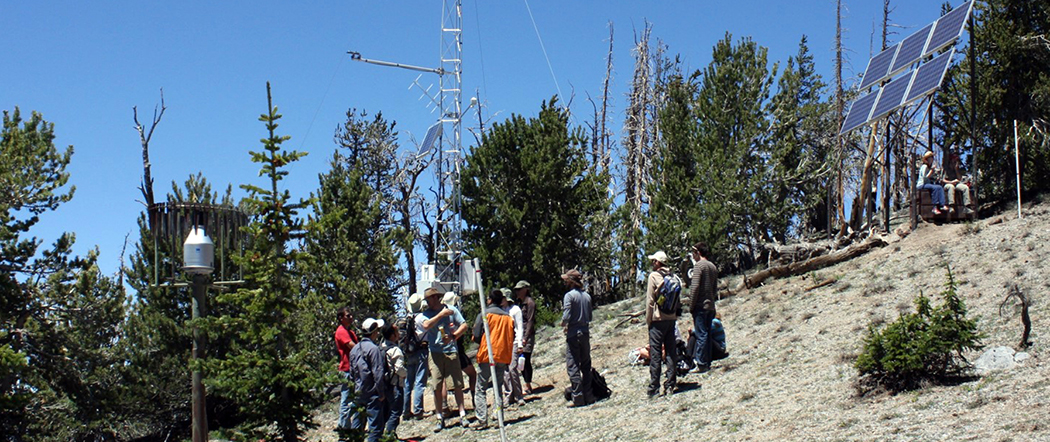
(528, 199)
(59, 317)
(266, 370)
(712, 172)
(349, 243)
(801, 149)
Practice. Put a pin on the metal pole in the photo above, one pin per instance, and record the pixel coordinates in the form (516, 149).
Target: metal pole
(1017, 164)
(200, 412)
(497, 400)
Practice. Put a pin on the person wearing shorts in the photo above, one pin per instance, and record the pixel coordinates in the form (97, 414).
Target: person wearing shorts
(442, 325)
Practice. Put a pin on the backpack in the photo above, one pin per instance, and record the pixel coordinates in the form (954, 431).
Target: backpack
(409, 341)
(599, 388)
(389, 375)
(669, 295)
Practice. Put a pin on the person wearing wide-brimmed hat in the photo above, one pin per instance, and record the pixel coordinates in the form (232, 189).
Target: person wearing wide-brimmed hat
(368, 370)
(930, 179)
(522, 291)
(513, 392)
(442, 325)
(575, 322)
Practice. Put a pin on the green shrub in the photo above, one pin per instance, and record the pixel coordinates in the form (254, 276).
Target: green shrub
(920, 348)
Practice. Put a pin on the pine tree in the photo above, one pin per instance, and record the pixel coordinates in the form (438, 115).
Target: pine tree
(59, 317)
(266, 371)
(528, 199)
(349, 244)
(713, 169)
(801, 147)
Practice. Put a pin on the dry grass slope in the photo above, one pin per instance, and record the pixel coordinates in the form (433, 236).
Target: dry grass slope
(790, 374)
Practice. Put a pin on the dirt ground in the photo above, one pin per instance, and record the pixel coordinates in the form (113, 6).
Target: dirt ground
(790, 374)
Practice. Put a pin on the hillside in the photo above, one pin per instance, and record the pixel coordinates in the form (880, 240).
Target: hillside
(790, 374)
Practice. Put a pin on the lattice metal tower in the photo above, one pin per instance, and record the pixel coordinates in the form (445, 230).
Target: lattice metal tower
(450, 157)
(449, 220)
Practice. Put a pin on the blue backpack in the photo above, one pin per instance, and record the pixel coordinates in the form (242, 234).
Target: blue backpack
(669, 295)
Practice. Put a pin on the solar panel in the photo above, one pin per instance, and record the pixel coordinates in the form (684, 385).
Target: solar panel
(878, 67)
(949, 28)
(859, 111)
(432, 134)
(892, 96)
(929, 76)
(911, 49)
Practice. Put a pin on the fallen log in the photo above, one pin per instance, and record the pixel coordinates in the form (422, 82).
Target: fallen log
(629, 316)
(806, 266)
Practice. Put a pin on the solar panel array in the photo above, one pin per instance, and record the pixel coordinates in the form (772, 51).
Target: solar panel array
(913, 85)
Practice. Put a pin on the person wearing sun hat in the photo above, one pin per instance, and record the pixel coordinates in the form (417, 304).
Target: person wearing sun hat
(575, 322)
(929, 179)
(441, 326)
(368, 370)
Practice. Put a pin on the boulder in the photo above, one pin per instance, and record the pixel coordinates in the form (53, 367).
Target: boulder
(995, 359)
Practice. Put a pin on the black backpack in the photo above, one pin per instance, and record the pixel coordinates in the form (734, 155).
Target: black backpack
(669, 295)
(409, 342)
(599, 388)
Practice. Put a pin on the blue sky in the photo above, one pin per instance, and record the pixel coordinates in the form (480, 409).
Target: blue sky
(84, 65)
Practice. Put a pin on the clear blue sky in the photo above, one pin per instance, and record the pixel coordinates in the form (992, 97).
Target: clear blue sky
(84, 65)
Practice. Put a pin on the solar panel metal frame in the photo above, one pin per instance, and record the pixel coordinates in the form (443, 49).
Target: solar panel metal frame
(889, 95)
(847, 125)
(884, 72)
(918, 89)
(904, 59)
(432, 134)
(947, 24)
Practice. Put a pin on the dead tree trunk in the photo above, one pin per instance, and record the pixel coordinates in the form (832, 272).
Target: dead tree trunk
(146, 187)
(840, 96)
(636, 146)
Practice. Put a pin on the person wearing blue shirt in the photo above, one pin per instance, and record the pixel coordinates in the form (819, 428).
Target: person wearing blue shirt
(442, 325)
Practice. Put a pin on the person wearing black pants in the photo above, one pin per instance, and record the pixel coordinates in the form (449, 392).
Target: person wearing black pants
(661, 329)
(575, 322)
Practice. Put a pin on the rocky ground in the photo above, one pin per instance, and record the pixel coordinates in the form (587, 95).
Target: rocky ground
(790, 374)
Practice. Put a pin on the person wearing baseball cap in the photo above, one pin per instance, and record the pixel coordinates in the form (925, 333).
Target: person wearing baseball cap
(575, 322)
(661, 325)
(368, 370)
(528, 338)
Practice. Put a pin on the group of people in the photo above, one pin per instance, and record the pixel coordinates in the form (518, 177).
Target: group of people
(943, 184)
(389, 379)
(662, 323)
(388, 366)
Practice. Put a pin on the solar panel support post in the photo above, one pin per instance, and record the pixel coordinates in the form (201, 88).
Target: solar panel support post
(973, 109)
(886, 177)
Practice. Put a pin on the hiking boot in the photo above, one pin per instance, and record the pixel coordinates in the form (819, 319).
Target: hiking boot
(464, 422)
(700, 369)
(440, 425)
